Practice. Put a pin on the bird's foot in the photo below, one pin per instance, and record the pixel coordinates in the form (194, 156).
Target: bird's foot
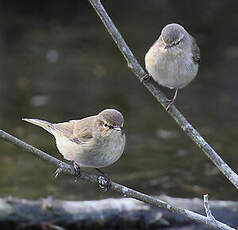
(76, 171)
(170, 103)
(145, 78)
(57, 172)
(104, 181)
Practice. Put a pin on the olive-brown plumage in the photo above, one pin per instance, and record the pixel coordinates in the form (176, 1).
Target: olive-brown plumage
(96, 141)
(173, 60)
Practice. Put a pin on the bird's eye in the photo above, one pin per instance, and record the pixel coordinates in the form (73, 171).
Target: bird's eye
(105, 125)
(177, 43)
(108, 126)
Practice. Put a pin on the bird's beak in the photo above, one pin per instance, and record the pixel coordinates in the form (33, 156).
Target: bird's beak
(167, 46)
(117, 128)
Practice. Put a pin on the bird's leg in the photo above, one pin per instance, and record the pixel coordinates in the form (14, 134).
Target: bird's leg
(104, 181)
(76, 170)
(58, 171)
(145, 78)
(171, 102)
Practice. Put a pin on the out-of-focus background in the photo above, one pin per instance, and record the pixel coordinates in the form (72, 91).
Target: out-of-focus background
(57, 62)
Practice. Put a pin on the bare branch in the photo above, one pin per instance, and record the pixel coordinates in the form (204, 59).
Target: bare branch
(68, 169)
(207, 209)
(159, 95)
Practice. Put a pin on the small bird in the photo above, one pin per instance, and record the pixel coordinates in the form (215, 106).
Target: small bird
(95, 141)
(173, 59)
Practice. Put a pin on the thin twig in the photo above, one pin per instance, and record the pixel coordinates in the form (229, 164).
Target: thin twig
(68, 169)
(210, 217)
(159, 95)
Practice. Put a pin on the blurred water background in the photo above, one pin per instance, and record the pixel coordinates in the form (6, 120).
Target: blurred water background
(57, 62)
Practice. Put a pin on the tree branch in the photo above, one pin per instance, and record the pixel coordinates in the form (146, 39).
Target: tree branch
(178, 117)
(207, 208)
(68, 169)
(159, 95)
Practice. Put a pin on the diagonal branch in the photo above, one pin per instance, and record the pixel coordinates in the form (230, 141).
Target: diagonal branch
(68, 169)
(160, 97)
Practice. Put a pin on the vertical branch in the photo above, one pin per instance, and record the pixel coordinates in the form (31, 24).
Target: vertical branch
(207, 209)
(160, 97)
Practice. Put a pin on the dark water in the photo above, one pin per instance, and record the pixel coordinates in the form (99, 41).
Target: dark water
(59, 63)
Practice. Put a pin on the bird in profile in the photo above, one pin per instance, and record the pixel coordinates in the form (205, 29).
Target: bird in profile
(173, 60)
(96, 141)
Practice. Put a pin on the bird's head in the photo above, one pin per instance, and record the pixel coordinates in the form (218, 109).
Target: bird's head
(173, 35)
(110, 121)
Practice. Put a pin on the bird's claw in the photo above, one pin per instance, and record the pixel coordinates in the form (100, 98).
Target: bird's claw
(57, 172)
(145, 78)
(76, 171)
(104, 183)
(170, 103)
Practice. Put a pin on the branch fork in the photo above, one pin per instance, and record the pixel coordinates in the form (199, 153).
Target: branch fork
(210, 217)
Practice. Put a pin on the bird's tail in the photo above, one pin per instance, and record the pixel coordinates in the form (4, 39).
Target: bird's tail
(44, 124)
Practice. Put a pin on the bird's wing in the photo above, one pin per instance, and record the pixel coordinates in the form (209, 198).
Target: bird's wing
(78, 131)
(44, 124)
(65, 128)
(195, 51)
